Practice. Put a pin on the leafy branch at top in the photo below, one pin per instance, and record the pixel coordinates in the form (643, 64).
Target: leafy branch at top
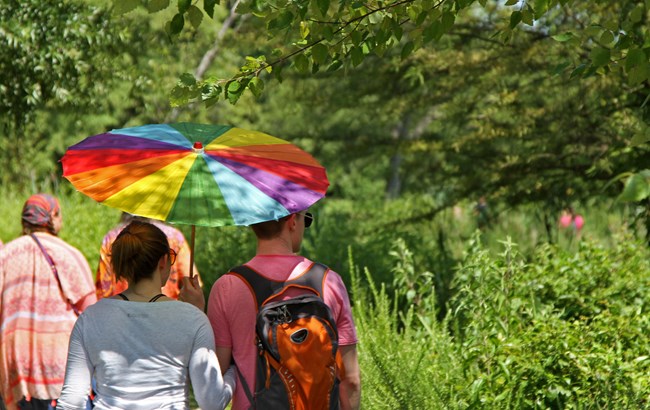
(327, 36)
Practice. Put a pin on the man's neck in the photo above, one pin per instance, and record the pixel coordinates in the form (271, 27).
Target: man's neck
(276, 246)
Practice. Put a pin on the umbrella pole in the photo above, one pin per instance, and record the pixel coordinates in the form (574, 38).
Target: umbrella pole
(192, 251)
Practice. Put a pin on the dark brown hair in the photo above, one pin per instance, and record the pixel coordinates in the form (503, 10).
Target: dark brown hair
(137, 250)
(269, 229)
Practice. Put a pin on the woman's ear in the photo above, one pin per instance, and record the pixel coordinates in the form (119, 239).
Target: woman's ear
(162, 262)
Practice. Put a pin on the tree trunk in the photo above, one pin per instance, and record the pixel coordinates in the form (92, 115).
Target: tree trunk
(549, 227)
(394, 183)
(647, 221)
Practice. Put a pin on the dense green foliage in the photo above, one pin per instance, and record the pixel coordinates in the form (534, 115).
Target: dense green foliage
(53, 58)
(53, 55)
(563, 330)
(318, 35)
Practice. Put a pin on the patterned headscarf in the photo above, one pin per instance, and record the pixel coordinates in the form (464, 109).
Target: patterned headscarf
(38, 210)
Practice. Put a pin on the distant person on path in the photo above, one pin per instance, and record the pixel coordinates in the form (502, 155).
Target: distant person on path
(571, 221)
(482, 213)
(44, 283)
(106, 283)
(232, 309)
(142, 347)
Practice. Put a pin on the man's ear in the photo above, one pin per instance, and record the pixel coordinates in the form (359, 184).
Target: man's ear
(292, 221)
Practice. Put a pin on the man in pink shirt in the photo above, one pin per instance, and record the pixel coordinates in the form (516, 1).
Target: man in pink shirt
(232, 308)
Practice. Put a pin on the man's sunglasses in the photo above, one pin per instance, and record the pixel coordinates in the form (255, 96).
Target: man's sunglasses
(309, 219)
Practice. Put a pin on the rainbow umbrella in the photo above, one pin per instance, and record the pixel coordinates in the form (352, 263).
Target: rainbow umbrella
(196, 174)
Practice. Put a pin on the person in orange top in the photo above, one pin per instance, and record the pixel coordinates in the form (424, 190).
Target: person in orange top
(105, 283)
(44, 284)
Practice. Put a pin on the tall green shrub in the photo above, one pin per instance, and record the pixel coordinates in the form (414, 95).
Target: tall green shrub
(563, 331)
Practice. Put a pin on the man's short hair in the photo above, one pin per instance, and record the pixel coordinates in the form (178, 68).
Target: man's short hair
(269, 229)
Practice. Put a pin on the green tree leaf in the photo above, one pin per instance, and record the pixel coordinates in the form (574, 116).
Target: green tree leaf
(184, 5)
(179, 96)
(301, 63)
(282, 21)
(607, 38)
(639, 73)
(527, 16)
(447, 21)
(234, 87)
(177, 23)
(636, 15)
(154, 6)
(187, 80)
(407, 50)
(432, 32)
(599, 56)
(515, 18)
(640, 137)
(208, 6)
(195, 15)
(637, 188)
(563, 37)
(610, 24)
(304, 30)
(578, 71)
(540, 6)
(634, 58)
(124, 6)
(234, 90)
(323, 6)
(594, 30)
(319, 53)
(256, 85)
(356, 55)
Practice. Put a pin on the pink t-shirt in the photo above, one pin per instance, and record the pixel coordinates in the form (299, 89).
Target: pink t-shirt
(565, 220)
(579, 221)
(232, 311)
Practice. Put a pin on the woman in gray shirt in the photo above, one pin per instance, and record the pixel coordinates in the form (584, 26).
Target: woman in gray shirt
(141, 347)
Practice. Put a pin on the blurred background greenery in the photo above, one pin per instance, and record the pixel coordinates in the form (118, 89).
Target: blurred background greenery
(534, 106)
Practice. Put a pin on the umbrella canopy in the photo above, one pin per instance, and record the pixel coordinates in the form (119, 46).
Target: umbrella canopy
(197, 174)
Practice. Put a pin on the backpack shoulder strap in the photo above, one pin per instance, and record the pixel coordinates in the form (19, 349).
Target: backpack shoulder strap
(55, 271)
(264, 289)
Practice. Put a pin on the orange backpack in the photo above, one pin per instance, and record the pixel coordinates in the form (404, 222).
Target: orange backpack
(299, 362)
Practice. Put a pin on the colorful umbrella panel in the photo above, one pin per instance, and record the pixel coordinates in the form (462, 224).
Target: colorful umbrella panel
(198, 174)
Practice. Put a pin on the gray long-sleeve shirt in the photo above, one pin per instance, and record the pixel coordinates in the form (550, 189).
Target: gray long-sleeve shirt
(142, 356)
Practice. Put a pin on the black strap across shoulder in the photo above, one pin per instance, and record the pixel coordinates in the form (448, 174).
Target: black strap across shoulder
(265, 288)
(153, 299)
